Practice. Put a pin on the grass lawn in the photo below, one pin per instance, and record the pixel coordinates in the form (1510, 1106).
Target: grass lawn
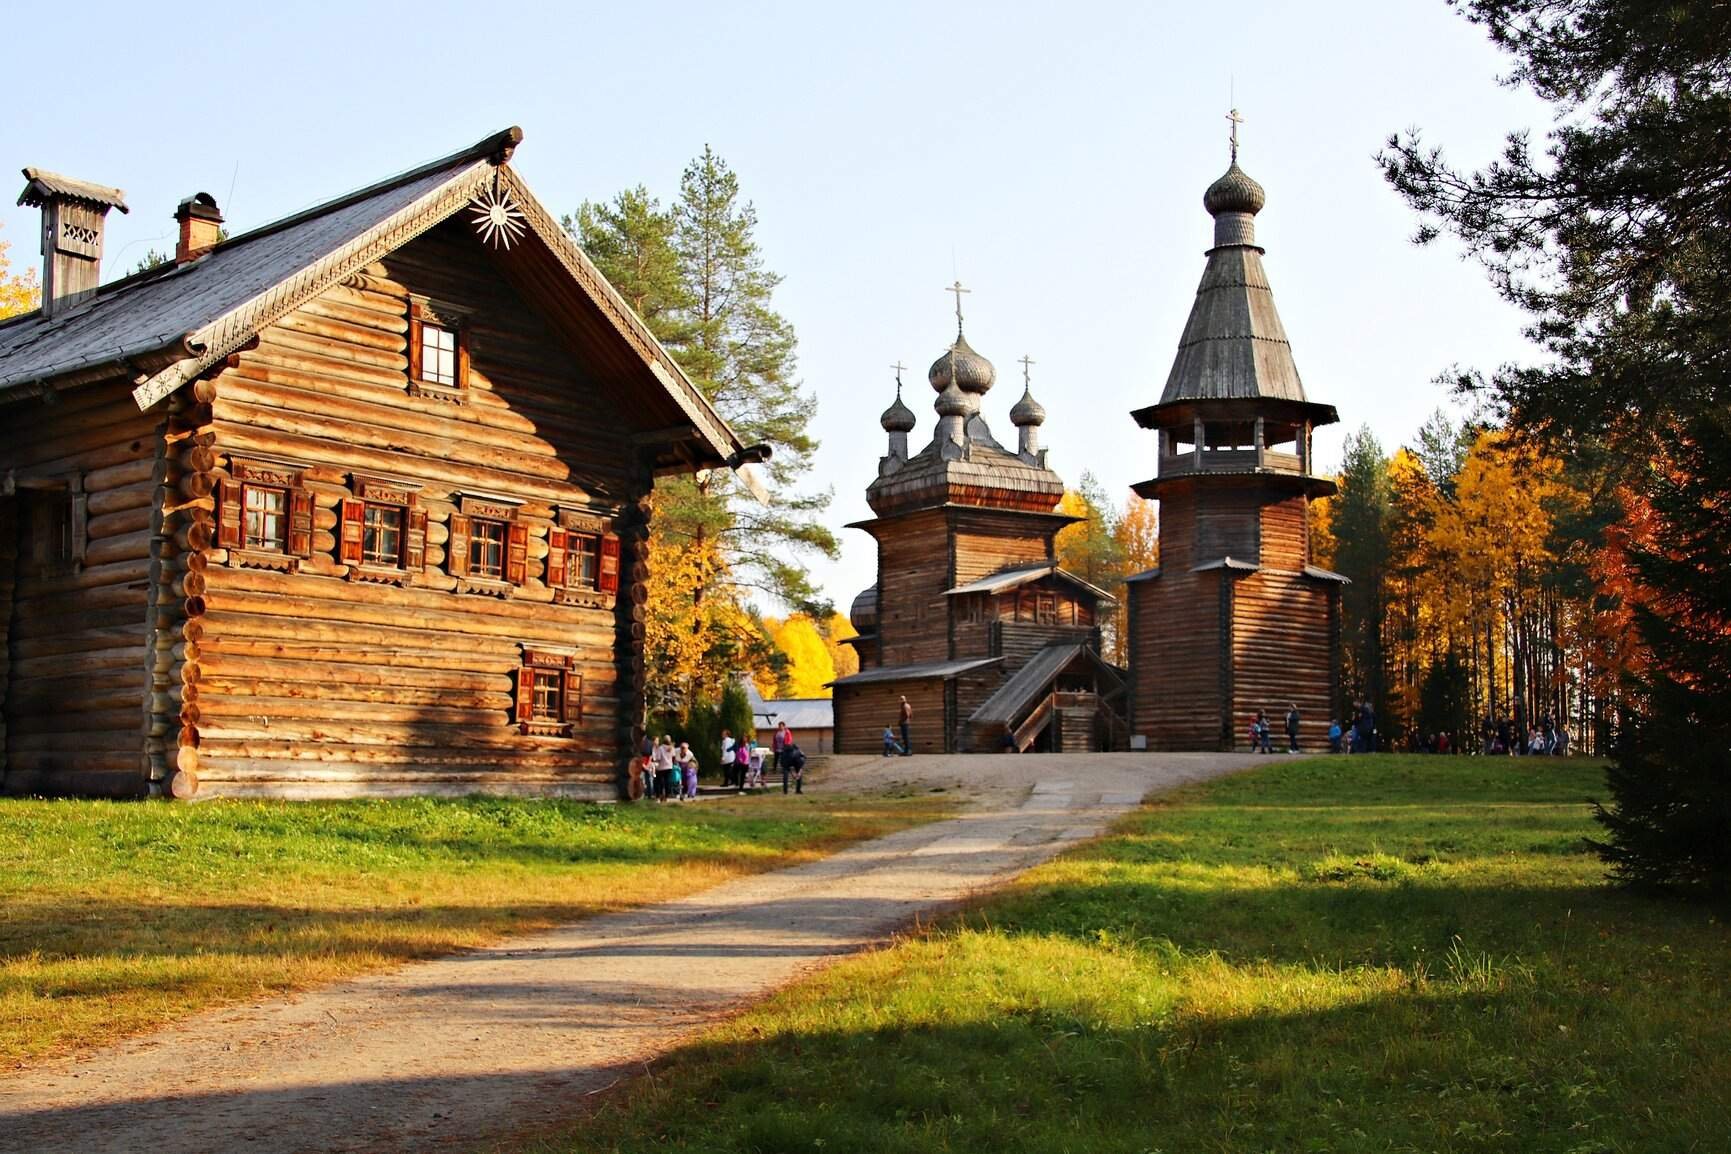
(1387, 953)
(115, 917)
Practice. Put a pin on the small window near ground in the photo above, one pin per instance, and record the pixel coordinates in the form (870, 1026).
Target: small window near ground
(549, 693)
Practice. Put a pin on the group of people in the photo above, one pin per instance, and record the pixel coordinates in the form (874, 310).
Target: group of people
(1508, 737)
(1261, 739)
(669, 769)
(1359, 734)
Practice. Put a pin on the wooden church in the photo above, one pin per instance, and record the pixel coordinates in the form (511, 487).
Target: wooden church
(352, 503)
(972, 620)
(1236, 619)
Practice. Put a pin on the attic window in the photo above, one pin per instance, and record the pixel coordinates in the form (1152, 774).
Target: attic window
(439, 355)
(438, 351)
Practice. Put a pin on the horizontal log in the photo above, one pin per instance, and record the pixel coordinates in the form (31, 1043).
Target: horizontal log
(408, 466)
(75, 608)
(57, 697)
(102, 503)
(67, 775)
(125, 547)
(51, 624)
(106, 732)
(122, 474)
(116, 524)
(335, 332)
(404, 734)
(236, 690)
(280, 340)
(358, 310)
(225, 713)
(441, 423)
(126, 637)
(215, 661)
(286, 756)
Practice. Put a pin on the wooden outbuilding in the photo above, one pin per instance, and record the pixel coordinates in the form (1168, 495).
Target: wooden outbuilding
(353, 503)
(1236, 619)
(971, 619)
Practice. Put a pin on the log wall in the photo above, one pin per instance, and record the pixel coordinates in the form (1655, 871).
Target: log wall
(862, 711)
(76, 629)
(914, 568)
(1282, 654)
(1276, 625)
(309, 682)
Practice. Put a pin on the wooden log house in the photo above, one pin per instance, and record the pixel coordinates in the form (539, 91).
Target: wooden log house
(971, 619)
(350, 504)
(1236, 619)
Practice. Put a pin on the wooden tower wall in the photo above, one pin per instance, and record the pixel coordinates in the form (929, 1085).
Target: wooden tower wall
(914, 568)
(1278, 627)
(77, 638)
(305, 683)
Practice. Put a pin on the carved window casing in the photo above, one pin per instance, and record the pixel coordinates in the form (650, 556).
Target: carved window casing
(438, 346)
(583, 560)
(488, 550)
(264, 515)
(549, 693)
(383, 531)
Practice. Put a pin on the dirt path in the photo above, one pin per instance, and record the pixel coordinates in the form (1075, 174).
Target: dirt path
(441, 1054)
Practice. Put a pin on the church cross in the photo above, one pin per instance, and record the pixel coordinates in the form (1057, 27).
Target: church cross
(1025, 362)
(898, 367)
(958, 290)
(1236, 121)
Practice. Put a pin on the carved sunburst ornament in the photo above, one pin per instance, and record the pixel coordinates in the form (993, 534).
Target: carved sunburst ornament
(497, 217)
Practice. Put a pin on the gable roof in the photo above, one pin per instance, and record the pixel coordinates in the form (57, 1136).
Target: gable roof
(1019, 575)
(166, 326)
(1033, 681)
(930, 669)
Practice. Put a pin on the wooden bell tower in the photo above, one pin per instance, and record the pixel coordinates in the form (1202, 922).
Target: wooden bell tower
(1236, 618)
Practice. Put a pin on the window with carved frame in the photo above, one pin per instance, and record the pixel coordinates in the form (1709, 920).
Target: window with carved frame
(383, 530)
(549, 693)
(438, 345)
(264, 515)
(583, 559)
(488, 547)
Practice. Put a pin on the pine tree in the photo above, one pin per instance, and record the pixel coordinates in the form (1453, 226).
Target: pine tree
(1615, 239)
(1670, 824)
(1359, 516)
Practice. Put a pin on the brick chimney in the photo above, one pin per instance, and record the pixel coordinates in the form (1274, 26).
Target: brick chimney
(200, 227)
(73, 212)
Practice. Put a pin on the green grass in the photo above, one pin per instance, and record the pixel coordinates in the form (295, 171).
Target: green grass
(1347, 955)
(115, 917)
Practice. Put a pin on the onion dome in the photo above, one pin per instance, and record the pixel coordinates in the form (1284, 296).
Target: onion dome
(963, 367)
(898, 418)
(1234, 192)
(952, 402)
(864, 611)
(1027, 411)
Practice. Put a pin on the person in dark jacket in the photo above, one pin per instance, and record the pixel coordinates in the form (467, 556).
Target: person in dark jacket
(1292, 729)
(792, 765)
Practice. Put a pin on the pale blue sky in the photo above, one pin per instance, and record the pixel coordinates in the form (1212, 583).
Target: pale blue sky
(1053, 156)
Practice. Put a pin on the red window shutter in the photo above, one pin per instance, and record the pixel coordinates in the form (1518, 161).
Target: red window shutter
(300, 526)
(415, 314)
(556, 545)
(415, 541)
(609, 582)
(572, 706)
(457, 547)
(516, 552)
(525, 695)
(353, 524)
(228, 516)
